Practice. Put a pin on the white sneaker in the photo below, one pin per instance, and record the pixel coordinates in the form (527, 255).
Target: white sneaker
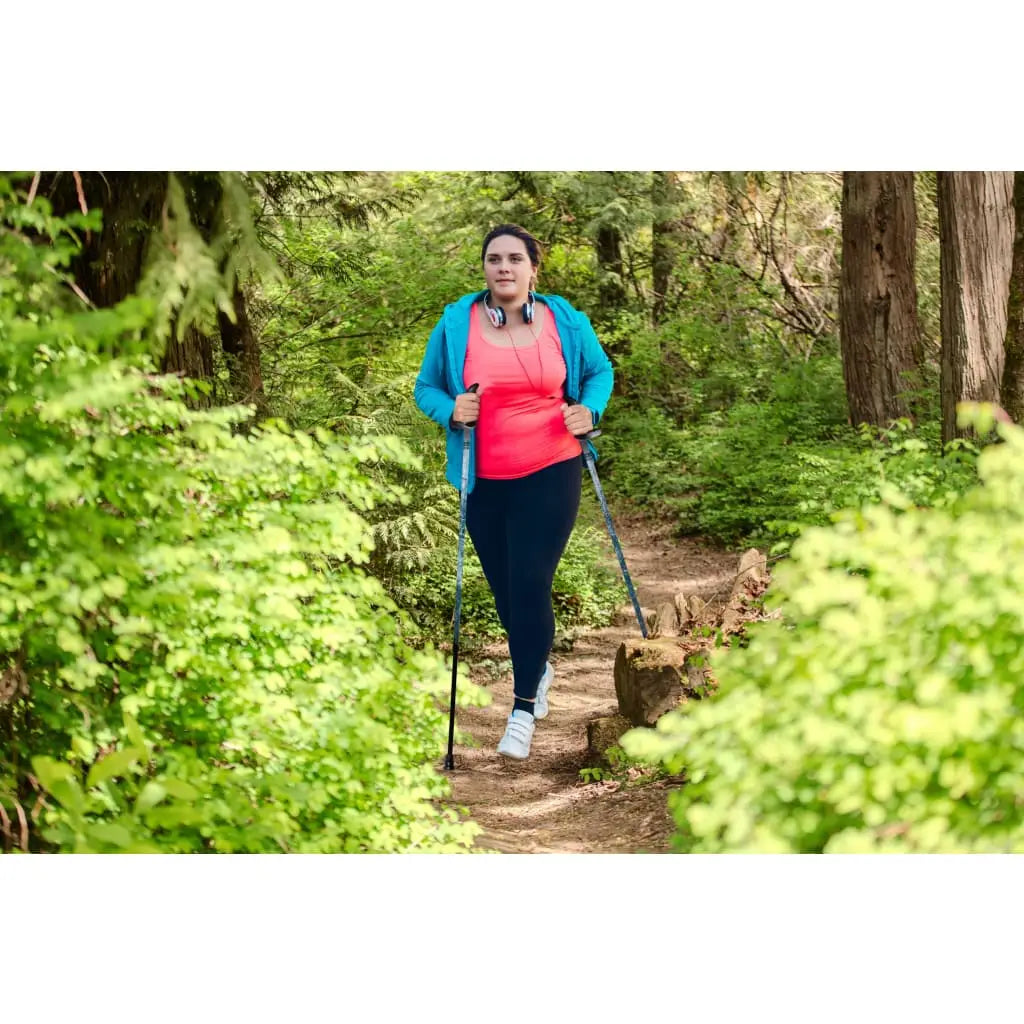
(518, 733)
(540, 709)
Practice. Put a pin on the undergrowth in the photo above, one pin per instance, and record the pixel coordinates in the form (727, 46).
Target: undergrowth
(763, 468)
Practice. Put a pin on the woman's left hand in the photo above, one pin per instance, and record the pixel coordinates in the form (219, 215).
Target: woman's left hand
(578, 419)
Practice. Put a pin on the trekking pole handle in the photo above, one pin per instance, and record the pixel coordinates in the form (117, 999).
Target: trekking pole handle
(590, 434)
(472, 389)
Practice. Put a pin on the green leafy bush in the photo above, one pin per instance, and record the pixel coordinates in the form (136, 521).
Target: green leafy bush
(719, 465)
(782, 458)
(743, 458)
(192, 657)
(643, 460)
(586, 591)
(906, 464)
(882, 710)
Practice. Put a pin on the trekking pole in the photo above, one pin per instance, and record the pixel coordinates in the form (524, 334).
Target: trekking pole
(449, 761)
(588, 457)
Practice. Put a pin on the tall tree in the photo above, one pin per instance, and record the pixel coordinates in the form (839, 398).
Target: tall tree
(611, 285)
(878, 327)
(664, 232)
(608, 243)
(189, 352)
(976, 249)
(1013, 370)
(205, 193)
(111, 261)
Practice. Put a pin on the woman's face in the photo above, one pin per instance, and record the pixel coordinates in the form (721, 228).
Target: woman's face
(507, 269)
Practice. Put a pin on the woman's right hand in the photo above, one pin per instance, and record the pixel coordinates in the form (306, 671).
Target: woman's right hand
(467, 408)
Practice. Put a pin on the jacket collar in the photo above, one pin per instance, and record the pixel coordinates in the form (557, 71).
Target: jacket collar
(457, 312)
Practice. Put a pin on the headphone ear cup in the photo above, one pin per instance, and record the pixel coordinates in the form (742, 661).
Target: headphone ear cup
(528, 309)
(496, 316)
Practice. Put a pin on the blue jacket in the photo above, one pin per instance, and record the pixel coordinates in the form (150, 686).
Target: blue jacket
(588, 377)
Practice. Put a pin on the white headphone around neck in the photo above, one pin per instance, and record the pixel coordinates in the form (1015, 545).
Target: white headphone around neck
(497, 315)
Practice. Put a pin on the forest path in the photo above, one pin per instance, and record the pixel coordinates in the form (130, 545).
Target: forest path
(541, 805)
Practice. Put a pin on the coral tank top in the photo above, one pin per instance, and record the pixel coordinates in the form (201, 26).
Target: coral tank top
(521, 429)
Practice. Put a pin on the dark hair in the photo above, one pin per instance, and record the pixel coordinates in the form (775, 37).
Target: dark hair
(524, 236)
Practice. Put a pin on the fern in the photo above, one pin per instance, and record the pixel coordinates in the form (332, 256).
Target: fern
(191, 277)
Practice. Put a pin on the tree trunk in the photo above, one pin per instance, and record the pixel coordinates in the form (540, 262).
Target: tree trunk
(109, 266)
(976, 250)
(878, 326)
(242, 353)
(190, 356)
(664, 229)
(1013, 371)
(611, 284)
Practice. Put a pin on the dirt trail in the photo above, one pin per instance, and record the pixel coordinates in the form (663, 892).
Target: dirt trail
(541, 805)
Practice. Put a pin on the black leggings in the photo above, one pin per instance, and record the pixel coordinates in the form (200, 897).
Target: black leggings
(520, 529)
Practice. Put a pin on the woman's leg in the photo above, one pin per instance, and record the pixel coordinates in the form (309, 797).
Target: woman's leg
(487, 510)
(541, 518)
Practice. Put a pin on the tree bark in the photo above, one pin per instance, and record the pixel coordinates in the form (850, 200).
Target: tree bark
(109, 266)
(878, 328)
(611, 284)
(242, 353)
(191, 355)
(975, 256)
(1013, 370)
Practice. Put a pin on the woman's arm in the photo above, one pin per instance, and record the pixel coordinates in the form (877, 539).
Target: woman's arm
(431, 391)
(597, 375)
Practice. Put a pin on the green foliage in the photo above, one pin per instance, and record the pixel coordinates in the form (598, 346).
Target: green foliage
(776, 459)
(905, 466)
(642, 459)
(192, 655)
(357, 304)
(882, 710)
(745, 453)
(192, 268)
(586, 589)
(926, 262)
(724, 473)
(618, 766)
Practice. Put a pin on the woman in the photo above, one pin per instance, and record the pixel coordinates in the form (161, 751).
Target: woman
(527, 353)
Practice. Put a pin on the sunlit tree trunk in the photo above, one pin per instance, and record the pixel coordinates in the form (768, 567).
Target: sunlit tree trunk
(878, 326)
(976, 252)
(1013, 370)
